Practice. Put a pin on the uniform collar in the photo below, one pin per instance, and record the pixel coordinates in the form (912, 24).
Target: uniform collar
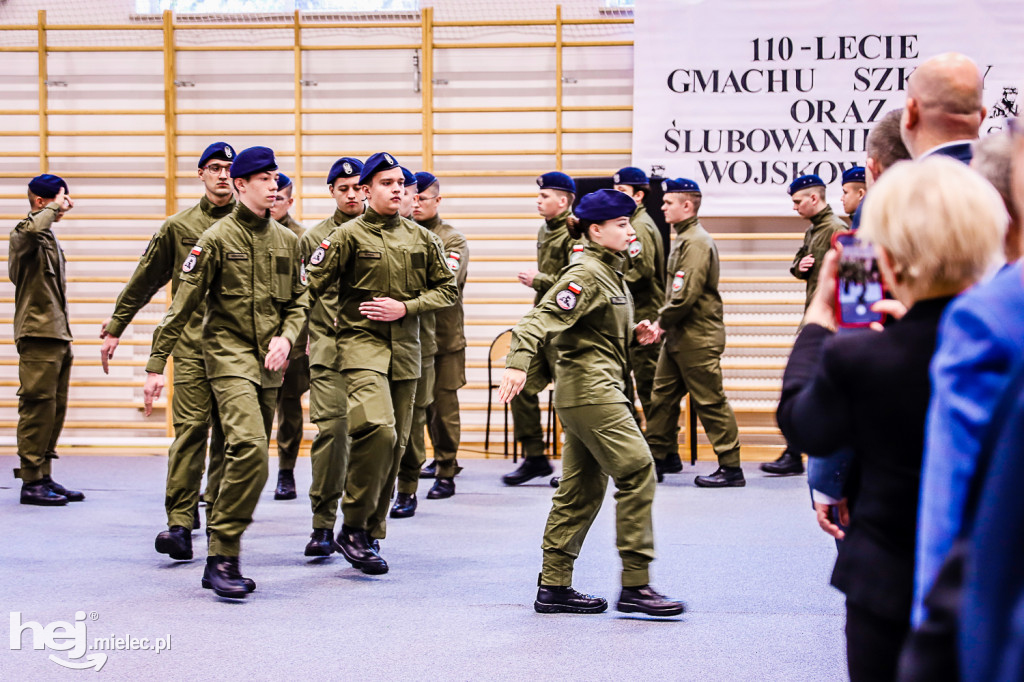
(607, 256)
(214, 211)
(340, 217)
(685, 225)
(249, 219)
(431, 223)
(377, 220)
(559, 220)
(640, 210)
(823, 217)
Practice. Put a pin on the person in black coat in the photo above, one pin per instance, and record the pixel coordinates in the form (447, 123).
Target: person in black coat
(937, 228)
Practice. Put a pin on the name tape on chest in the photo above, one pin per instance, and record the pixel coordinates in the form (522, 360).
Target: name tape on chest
(577, 253)
(618, 300)
(568, 297)
(453, 260)
(677, 280)
(321, 251)
(191, 260)
(635, 247)
(238, 256)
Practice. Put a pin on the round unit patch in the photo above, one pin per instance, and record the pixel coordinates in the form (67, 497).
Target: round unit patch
(317, 256)
(635, 247)
(453, 261)
(565, 299)
(677, 281)
(189, 264)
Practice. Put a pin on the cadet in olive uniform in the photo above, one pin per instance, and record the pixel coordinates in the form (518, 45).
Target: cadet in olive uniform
(808, 194)
(588, 315)
(42, 335)
(246, 267)
(327, 406)
(690, 359)
(296, 376)
(555, 250)
(416, 450)
(645, 276)
(389, 270)
(443, 420)
(192, 405)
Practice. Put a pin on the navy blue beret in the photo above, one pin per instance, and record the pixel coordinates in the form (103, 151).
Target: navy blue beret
(855, 174)
(680, 185)
(630, 176)
(424, 180)
(47, 186)
(381, 161)
(408, 177)
(345, 167)
(253, 160)
(556, 180)
(605, 204)
(805, 181)
(283, 181)
(217, 150)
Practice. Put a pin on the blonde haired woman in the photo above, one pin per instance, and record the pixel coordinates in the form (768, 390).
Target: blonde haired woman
(937, 228)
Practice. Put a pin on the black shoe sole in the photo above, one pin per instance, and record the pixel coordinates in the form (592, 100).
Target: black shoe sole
(40, 503)
(562, 608)
(224, 593)
(732, 484)
(170, 551)
(672, 470)
(285, 496)
(633, 608)
(401, 515)
(520, 481)
(439, 496)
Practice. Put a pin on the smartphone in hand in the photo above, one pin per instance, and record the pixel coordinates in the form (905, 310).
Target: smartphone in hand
(858, 282)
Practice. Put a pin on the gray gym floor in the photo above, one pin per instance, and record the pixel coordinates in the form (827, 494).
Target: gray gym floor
(750, 563)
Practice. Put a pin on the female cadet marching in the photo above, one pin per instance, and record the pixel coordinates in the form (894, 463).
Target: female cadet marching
(588, 314)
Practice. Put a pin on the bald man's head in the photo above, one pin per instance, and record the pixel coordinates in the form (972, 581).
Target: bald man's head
(944, 103)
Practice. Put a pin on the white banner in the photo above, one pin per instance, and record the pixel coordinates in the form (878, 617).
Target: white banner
(745, 95)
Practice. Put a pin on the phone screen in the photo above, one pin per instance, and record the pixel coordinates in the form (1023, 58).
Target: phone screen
(858, 282)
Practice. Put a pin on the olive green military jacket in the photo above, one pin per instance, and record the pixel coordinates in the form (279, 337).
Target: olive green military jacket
(817, 242)
(323, 312)
(376, 256)
(588, 316)
(450, 322)
(37, 266)
(246, 268)
(645, 266)
(692, 315)
(554, 252)
(299, 347)
(161, 260)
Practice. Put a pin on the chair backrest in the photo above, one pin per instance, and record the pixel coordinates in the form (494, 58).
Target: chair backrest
(500, 346)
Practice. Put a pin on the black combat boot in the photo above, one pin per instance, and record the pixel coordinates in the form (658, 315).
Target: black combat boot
(724, 477)
(42, 495)
(354, 545)
(788, 464)
(320, 543)
(429, 471)
(285, 485)
(443, 488)
(223, 575)
(404, 507)
(644, 599)
(531, 468)
(176, 542)
(72, 495)
(557, 599)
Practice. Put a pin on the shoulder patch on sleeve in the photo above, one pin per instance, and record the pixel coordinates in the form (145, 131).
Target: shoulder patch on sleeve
(635, 247)
(577, 253)
(677, 280)
(190, 261)
(321, 251)
(568, 297)
(453, 259)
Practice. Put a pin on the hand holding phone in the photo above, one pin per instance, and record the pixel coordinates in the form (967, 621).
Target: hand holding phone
(858, 282)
